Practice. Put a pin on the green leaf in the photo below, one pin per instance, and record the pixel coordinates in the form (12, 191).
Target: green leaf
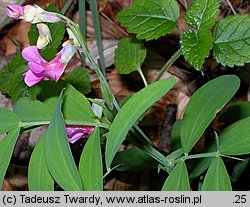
(90, 166)
(59, 159)
(7, 145)
(178, 179)
(239, 169)
(79, 78)
(203, 107)
(235, 112)
(235, 139)
(11, 79)
(217, 178)
(39, 178)
(232, 41)
(198, 166)
(141, 161)
(8, 121)
(131, 112)
(32, 111)
(202, 14)
(196, 46)
(76, 108)
(57, 33)
(150, 19)
(129, 55)
(176, 135)
(174, 155)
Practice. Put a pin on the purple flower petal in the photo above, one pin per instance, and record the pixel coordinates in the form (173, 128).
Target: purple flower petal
(15, 11)
(36, 68)
(49, 17)
(57, 68)
(32, 54)
(75, 133)
(31, 79)
(43, 70)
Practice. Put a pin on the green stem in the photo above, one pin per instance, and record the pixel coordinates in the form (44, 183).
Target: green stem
(169, 64)
(196, 156)
(142, 77)
(82, 22)
(235, 158)
(143, 141)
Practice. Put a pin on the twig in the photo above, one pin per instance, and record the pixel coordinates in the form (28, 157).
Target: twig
(231, 7)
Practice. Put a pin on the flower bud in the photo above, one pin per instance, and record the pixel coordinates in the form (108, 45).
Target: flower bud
(31, 13)
(15, 11)
(44, 35)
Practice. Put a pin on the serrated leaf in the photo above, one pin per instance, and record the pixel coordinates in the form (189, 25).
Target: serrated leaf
(203, 106)
(178, 179)
(79, 78)
(217, 178)
(59, 158)
(129, 55)
(8, 120)
(39, 178)
(11, 79)
(90, 166)
(235, 139)
(130, 112)
(202, 14)
(232, 41)
(150, 19)
(196, 46)
(7, 145)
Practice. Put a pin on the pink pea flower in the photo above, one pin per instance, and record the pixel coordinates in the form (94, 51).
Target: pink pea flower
(31, 13)
(15, 11)
(75, 133)
(40, 69)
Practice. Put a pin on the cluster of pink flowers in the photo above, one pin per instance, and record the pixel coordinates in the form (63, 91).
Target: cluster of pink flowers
(40, 69)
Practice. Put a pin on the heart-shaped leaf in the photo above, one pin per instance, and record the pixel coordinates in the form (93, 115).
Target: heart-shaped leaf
(129, 55)
(150, 19)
